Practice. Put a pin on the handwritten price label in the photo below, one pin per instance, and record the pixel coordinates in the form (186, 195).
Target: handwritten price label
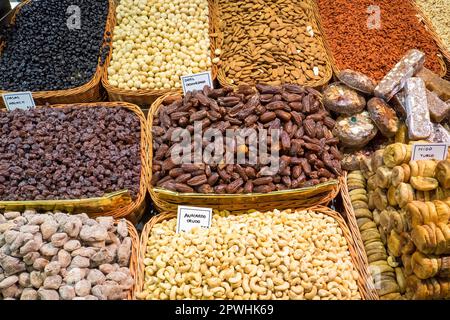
(430, 151)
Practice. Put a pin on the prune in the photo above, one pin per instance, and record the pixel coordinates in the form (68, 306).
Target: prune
(43, 52)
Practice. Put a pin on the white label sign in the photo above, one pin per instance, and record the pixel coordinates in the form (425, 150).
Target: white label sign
(196, 81)
(19, 100)
(429, 151)
(191, 217)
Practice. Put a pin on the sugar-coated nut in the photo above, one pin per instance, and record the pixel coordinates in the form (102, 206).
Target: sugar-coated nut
(53, 282)
(45, 294)
(83, 288)
(24, 280)
(93, 233)
(10, 215)
(59, 239)
(49, 228)
(80, 262)
(64, 258)
(122, 228)
(8, 282)
(52, 269)
(67, 292)
(40, 263)
(36, 279)
(124, 252)
(75, 275)
(72, 245)
(29, 294)
(106, 222)
(48, 250)
(12, 292)
(52, 272)
(84, 252)
(106, 268)
(96, 277)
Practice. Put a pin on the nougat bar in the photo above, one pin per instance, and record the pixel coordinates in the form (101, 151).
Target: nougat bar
(395, 80)
(417, 114)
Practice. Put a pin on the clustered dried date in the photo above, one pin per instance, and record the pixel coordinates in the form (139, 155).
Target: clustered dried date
(308, 149)
(68, 153)
(57, 256)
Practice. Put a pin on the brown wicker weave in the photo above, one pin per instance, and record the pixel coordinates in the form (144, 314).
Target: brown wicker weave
(133, 234)
(225, 81)
(166, 200)
(354, 252)
(89, 92)
(145, 98)
(359, 245)
(334, 65)
(135, 208)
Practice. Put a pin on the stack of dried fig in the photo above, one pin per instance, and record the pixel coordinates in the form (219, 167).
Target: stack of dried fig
(307, 149)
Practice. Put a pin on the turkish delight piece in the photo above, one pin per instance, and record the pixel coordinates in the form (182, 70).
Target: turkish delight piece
(396, 78)
(435, 83)
(417, 114)
(439, 110)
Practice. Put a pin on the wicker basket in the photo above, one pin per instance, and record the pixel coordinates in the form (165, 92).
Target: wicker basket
(114, 206)
(145, 98)
(334, 65)
(423, 17)
(224, 80)
(133, 234)
(89, 92)
(354, 252)
(166, 200)
(359, 245)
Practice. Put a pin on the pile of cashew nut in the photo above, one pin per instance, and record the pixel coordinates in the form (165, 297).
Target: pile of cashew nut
(271, 255)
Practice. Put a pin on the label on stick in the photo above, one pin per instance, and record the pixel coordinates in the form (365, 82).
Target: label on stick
(429, 151)
(191, 217)
(196, 81)
(19, 100)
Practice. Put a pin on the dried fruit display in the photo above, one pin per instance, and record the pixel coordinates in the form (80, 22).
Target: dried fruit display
(46, 49)
(308, 153)
(403, 210)
(68, 153)
(57, 256)
(258, 262)
(272, 41)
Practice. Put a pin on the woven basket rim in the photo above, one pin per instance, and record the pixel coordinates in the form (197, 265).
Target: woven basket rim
(320, 209)
(334, 65)
(135, 243)
(226, 81)
(140, 197)
(96, 78)
(144, 93)
(359, 244)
